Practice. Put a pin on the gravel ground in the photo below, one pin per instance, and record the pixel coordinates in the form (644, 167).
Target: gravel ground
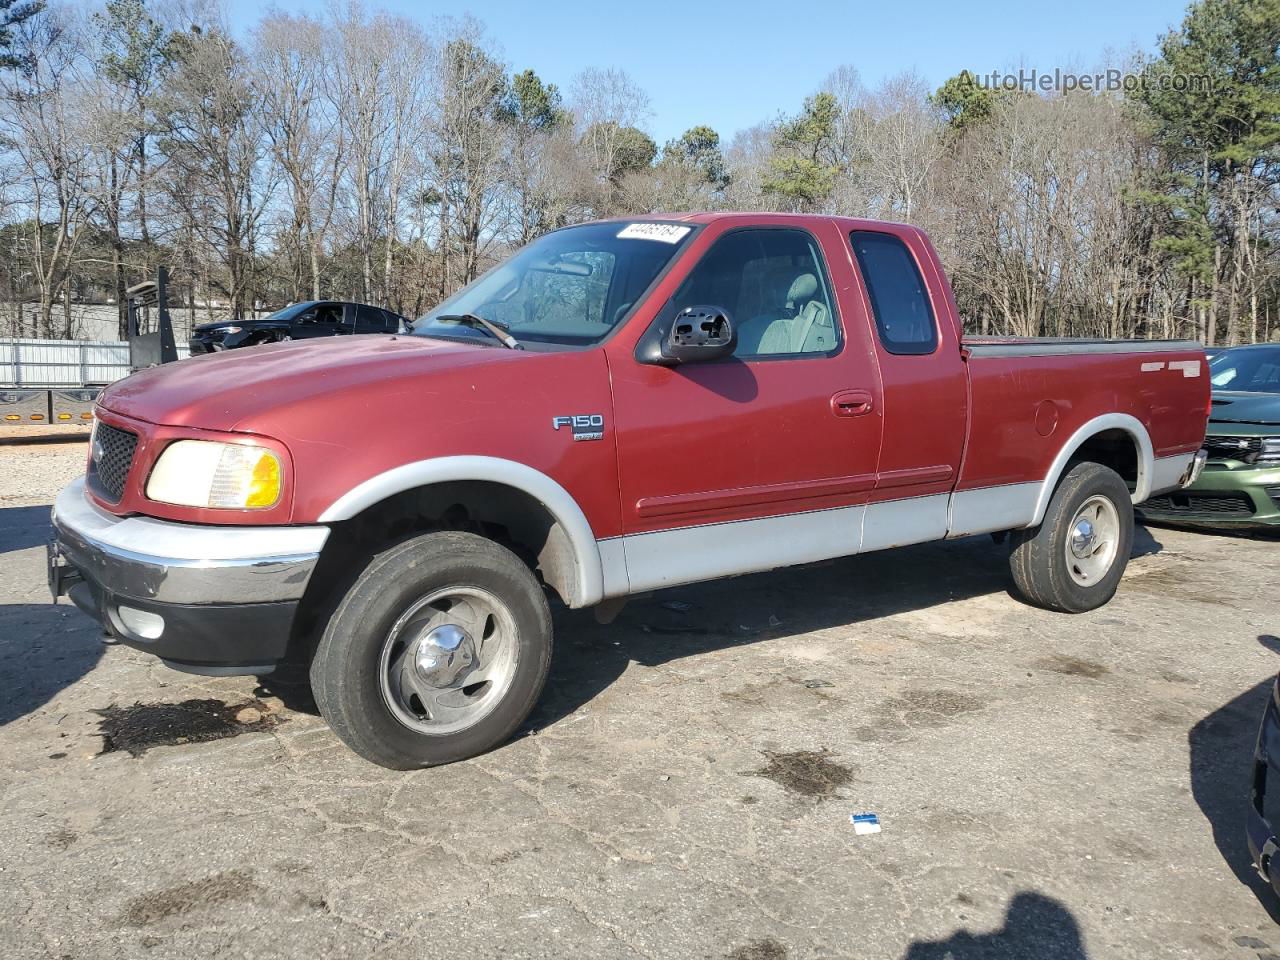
(1050, 786)
(36, 462)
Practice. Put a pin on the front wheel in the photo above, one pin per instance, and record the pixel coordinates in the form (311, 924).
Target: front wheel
(437, 653)
(1073, 561)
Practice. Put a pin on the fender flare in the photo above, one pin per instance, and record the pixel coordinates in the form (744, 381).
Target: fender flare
(557, 500)
(1108, 421)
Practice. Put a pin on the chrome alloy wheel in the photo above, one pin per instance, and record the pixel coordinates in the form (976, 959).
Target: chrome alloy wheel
(448, 660)
(1092, 541)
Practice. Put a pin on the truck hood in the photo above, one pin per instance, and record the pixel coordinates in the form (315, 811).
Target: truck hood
(1236, 406)
(237, 390)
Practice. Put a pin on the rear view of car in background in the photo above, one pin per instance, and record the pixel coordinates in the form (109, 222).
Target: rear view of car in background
(1240, 485)
(299, 321)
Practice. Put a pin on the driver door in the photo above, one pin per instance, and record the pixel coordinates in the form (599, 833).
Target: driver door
(766, 458)
(322, 320)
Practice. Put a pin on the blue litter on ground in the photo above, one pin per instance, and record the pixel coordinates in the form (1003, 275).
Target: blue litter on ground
(864, 823)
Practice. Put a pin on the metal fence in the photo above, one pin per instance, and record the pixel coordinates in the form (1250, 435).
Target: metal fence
(64, 363)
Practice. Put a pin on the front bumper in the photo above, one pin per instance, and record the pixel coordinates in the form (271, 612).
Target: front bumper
(1266, 763)
(1226, 494)
(200, 344)
(206, 599)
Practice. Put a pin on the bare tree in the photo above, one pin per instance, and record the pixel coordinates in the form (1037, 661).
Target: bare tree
(607, 105)
(213, 139)
(290, 56)
(44, 125)
(467, 151)
(895, 139)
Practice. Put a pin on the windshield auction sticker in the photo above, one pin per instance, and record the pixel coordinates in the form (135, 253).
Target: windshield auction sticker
(662, 232)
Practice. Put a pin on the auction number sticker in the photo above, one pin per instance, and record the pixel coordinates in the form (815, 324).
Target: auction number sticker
(662, 232)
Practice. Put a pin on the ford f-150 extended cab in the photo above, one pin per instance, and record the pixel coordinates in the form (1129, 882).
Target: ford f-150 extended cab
(619, 407)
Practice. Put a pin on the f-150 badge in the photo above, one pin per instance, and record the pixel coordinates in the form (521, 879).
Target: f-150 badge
(585, 426)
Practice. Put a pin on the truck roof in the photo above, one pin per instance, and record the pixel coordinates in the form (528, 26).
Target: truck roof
(709, 216)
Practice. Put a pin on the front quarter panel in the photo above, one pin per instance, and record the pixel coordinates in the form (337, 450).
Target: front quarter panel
(504, 409)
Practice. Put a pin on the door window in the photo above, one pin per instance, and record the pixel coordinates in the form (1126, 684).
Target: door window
(899, 301)
(325, 315)
(774, 287)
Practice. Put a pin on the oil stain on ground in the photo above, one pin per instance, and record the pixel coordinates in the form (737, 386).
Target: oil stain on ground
(767, 949)
(142, 726)
(61, 839)
(228, 887)
(1072, 666)
(809, 773)
(902, 716)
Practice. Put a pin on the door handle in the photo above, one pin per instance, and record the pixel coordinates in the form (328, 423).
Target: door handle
(852, 403)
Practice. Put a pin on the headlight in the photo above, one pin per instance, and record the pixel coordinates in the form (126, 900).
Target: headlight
(202, 473)
(1270, 451)
(225, 330)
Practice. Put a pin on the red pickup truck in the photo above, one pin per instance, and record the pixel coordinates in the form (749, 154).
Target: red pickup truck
(621, 406)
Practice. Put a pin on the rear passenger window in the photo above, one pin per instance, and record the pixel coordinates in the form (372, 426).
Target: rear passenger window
(370, 320)
(899, 301)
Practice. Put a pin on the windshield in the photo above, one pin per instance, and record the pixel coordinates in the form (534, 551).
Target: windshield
(1251, 369)
(571, 287)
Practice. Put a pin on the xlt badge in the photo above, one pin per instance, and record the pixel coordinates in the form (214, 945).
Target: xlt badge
(585, 426)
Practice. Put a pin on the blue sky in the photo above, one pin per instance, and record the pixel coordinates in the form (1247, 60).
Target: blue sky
(732, 65)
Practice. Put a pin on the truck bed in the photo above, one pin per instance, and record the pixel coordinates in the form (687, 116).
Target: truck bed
(1030, 399)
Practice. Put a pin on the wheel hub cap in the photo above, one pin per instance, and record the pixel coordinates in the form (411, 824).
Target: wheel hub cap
(1083, 538)
(449, 659)
(444, 655)
(1093, 540)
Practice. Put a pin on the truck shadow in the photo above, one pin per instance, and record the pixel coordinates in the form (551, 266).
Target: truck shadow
(1035, 926)
(1221, 747)
(689, 621)
(43, 650)
(23, 527)
(1145, 543)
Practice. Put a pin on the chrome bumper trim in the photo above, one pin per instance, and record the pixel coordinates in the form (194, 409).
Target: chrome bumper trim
(170, 562)
(1196, 468)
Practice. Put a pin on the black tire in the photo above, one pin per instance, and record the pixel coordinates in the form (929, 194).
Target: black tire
(1042, 569)
(345, 671)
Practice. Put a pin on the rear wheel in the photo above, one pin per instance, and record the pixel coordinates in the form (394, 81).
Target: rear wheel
(1073, 561)
(438, 652)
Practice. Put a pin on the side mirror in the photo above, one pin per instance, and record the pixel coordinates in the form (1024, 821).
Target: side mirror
(699, 333)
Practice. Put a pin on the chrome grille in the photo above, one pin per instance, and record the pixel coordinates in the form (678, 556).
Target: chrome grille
(110, 460)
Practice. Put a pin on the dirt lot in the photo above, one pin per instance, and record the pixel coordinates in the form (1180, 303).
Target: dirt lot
(1050, 786)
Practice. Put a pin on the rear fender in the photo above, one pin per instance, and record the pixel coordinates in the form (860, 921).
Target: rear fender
(1108, 421)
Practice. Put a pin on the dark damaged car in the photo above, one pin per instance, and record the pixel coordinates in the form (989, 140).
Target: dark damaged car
(299, 321)
(1264, 799)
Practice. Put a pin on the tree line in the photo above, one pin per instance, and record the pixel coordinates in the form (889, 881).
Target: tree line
(364, 156)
